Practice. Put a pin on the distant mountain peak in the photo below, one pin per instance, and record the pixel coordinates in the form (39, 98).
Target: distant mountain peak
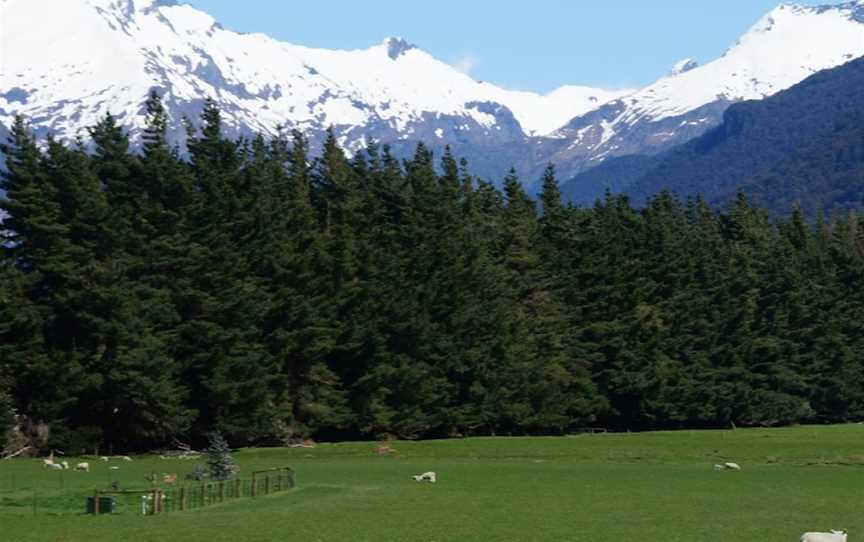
(397, 47)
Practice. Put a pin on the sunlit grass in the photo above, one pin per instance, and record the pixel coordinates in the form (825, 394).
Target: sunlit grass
(646, 487)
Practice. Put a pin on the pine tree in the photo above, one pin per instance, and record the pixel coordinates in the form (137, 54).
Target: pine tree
(220, 463)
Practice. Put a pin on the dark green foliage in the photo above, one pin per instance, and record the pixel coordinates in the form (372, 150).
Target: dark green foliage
(615, 175)
(826, 175)
(272, 295)
(7, 410)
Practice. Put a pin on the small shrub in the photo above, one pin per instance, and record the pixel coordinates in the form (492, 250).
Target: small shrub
(199, 474)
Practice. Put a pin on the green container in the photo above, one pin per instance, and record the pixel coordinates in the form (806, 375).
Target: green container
(106, 505)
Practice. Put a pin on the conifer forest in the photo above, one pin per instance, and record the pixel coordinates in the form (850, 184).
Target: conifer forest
(260, 289)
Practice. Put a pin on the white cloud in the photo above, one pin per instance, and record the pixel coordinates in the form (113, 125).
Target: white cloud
(466, 63)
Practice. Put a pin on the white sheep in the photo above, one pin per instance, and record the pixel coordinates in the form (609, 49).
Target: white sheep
(126, 458)
(425, 477)
(732, 466)
(55, 466)
(65, 465)
(49, 461)
(833, 536)
(104, 458)
(85, 467)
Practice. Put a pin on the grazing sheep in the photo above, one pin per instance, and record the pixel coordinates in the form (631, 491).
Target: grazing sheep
(47, 462)
(732, 466)
(126, 458)
(425, 477)
(55, 466)
(719, 467)
(833, 536)
(104, 458)
(65, 465)
(85, 467)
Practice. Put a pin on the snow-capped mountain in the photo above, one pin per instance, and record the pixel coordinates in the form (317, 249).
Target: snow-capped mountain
(786, 46)
(65, 63)
(92, 56)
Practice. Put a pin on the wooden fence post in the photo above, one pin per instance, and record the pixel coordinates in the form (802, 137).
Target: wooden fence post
(182, 499)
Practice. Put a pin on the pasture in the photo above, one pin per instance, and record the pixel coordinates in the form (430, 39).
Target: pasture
(650, 487)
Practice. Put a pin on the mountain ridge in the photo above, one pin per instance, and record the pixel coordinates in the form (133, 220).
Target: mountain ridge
(784, 47)
(764, 147)
(106, 55)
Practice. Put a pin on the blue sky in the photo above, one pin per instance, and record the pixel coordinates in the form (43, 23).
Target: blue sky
(526, 44)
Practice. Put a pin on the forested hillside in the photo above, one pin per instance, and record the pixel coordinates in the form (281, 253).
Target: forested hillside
(271, 295)
(794, 147)
(825, 176)
(615, 176)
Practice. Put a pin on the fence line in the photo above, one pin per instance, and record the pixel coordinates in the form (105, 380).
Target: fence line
(190, 497)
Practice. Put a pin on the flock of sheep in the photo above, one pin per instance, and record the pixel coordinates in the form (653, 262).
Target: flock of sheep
(50, 463)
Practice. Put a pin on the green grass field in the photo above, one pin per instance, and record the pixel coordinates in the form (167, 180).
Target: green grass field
(614, 487)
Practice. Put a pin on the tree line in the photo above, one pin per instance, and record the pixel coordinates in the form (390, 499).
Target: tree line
(250, 288)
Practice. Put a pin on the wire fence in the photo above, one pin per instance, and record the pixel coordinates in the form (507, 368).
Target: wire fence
(191, 497)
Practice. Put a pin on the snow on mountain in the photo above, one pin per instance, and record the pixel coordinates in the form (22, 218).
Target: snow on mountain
(786, 46)
(65, 63)
(89, 57)
(782, 49)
